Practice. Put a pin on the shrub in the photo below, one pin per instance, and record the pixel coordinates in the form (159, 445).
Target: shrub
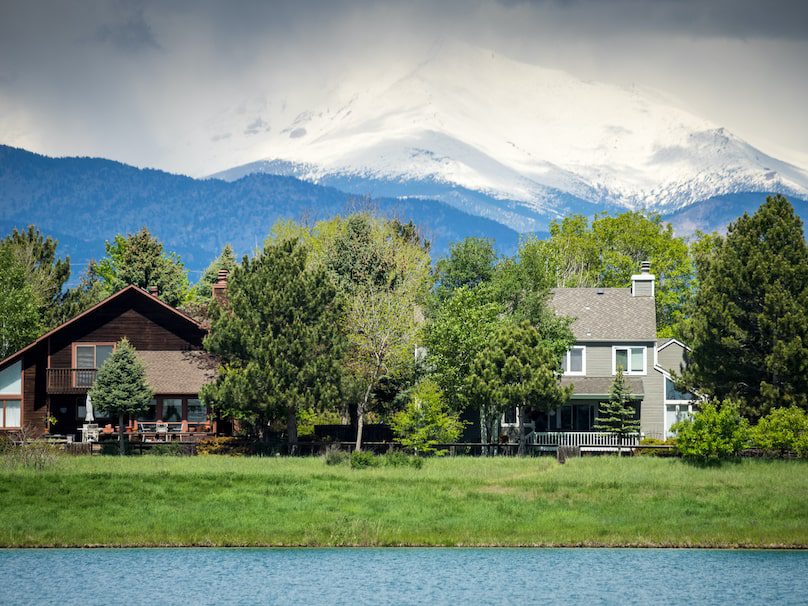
(714, 433)
(335, 456)
(223, 445)
(362, 459)
(113, 447)
(783, 430)
(426, 420)
(401, 459)
(171, 449)
(25, 451)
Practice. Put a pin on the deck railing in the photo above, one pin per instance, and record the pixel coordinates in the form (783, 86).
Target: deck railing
(70, 380)
(581, 438)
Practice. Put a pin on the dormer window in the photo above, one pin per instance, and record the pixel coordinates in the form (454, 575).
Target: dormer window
(630, 358)
(574, 361)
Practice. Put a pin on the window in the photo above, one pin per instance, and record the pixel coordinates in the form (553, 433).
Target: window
(674, 395)
(172, 410)
(88, 358)
(150, 414)
(11, 380)
(10, 413)
(675, 413)
(197, 411)
(574, 362)
(630, 359)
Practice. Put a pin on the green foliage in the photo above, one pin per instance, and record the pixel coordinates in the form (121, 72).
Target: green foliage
(45, 273)
(749, 325)
(470, 262)
(518, 369)
(19, 304)
(120, 386)
(225, 260)
(426, 420)
(363, 459)
(619, 414)
(715, 432)
(396, 458)
(279, 338)
(609, 251)
(170, 449)
(336, 456)
(783, 430)
(460, 330)
(223, 445)
(140, 259)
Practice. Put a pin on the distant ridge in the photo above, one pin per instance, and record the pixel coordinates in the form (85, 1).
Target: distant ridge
(84, 201)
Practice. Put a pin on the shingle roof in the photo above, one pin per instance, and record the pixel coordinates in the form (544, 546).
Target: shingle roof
(606, 314)
(177, 372)
(599, 386)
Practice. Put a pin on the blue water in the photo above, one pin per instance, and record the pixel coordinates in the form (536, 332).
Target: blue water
(402, 576)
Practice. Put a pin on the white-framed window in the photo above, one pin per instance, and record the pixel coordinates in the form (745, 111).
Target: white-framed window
(10, 413)
(631, 358)
(574, 361)
(679, 405)
(510, 418)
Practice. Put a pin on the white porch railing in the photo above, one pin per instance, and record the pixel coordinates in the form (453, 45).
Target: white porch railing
(581, 438)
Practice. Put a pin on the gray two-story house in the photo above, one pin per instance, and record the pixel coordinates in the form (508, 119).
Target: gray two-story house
(613, 328)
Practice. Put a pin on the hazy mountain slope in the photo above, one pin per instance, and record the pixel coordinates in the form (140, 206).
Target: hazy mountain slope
(539, 140)
(88, 200)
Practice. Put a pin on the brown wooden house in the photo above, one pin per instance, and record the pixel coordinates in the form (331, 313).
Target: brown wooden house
(51, 376)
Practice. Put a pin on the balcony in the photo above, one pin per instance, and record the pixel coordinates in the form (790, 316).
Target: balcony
(584, 439)
(70, 380)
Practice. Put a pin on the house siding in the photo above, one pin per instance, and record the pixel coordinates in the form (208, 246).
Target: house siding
(652, 409)
(672, 358)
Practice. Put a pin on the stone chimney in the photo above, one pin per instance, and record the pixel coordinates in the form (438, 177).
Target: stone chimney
(642, 284)
(219, 288)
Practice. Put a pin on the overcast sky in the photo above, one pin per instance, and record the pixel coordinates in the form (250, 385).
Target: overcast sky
(130, 80)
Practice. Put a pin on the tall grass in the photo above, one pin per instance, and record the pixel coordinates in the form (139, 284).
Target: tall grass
(454, 501)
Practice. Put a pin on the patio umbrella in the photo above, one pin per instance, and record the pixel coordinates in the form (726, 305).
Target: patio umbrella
(89, 418)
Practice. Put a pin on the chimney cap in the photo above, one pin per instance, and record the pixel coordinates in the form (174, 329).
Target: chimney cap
(645, 267)
(152, 290)
(222, 275)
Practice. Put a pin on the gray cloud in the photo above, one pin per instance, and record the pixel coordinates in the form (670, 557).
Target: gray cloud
(139, 81)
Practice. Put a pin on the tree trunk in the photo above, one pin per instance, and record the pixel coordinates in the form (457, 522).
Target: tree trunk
(121, 429)
(291, 431)
(360, 415)
(484, 430)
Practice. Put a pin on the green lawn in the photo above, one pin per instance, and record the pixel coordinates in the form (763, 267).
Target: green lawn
(453, 501)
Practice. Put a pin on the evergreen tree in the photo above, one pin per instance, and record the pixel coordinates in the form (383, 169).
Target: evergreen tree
(140, 259)
(225, 260)
(19, 304)
(280, 340)
(120, 386)
(45, 273)
(518, 370)
(426, 420)
(619, 414)
(749, 328)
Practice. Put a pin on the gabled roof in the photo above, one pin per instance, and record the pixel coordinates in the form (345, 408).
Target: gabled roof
(606, 314)
(128, 289)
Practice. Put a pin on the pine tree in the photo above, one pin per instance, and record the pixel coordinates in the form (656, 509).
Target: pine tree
(518, 370)
(749, 325)
(618, 415)
(225, 260)
(280, 339)
(120, 387)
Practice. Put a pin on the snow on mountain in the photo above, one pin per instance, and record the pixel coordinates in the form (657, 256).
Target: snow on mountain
(514, 132)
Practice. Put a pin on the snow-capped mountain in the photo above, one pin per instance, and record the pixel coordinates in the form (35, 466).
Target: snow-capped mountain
(509, 140)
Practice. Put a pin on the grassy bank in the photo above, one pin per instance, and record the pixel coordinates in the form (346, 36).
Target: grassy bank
(454, 501)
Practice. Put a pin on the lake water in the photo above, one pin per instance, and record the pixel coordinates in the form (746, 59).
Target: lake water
(402, 576)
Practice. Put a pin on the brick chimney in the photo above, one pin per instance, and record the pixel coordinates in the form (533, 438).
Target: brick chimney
(152, 291)
(642, 284)
(219, 288)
